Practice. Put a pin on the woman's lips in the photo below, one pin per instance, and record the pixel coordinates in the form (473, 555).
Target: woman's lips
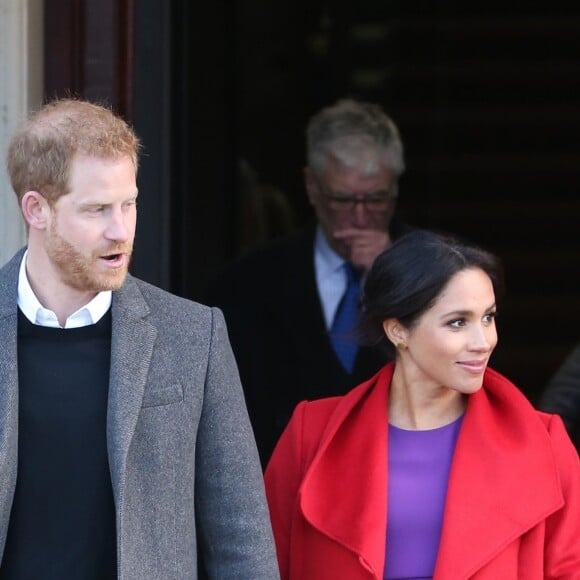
(475, 367)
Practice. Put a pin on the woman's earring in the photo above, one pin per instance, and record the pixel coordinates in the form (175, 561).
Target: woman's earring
(402, 345)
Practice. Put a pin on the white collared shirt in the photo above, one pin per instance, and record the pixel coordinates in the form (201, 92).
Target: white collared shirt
(30, 306)
(331, 277)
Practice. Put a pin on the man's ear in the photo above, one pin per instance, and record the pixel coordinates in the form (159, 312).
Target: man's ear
(396, 332)
(35, 209)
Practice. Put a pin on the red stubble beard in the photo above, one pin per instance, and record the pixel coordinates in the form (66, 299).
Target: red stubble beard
(84, 272)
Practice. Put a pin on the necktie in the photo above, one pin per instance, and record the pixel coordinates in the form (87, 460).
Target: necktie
(342, 329)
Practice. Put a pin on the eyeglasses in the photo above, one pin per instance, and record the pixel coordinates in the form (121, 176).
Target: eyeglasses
(372, 202)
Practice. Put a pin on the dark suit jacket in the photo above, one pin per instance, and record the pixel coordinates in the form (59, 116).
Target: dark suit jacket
(278, 333)
(562, 395)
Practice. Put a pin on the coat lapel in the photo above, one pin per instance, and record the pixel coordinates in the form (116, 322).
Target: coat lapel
(132, 344)
(501, 434)
(8, 389)
(303, 299)
(131, 350)
(344, 494)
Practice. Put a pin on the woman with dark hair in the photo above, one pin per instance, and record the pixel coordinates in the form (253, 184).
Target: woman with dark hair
(437, 467)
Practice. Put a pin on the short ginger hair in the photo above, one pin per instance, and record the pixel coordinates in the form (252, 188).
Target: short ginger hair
(41, 151)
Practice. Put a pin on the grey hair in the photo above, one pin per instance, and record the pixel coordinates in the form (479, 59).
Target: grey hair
(354, 133)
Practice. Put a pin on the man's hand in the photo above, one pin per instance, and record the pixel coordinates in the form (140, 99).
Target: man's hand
(363, 245)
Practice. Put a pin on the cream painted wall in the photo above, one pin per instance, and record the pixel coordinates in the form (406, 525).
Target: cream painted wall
(21, 82)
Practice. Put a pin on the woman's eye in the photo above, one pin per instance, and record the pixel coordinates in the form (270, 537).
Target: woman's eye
(458, 323)
(489, 318)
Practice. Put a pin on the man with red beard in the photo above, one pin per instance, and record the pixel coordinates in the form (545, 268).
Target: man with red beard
(125, 445)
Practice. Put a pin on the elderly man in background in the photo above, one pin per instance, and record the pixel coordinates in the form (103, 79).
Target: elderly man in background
(290, 306)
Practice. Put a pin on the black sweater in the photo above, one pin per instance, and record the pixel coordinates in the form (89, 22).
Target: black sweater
(62, 523)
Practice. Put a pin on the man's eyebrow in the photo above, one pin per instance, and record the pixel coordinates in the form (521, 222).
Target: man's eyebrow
(376, 192)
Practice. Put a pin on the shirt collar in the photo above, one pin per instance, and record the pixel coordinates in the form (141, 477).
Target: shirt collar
(30, 306)
(327, 260)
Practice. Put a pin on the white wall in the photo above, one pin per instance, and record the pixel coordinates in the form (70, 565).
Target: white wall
(21, 82)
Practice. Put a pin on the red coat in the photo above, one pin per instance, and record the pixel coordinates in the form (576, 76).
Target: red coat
(513, 501)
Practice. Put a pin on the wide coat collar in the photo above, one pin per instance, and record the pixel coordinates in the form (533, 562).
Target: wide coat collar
(503, 480)
(133, 339)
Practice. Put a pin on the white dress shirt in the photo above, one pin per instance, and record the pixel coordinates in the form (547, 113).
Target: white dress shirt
(331, 278)
(30, 306)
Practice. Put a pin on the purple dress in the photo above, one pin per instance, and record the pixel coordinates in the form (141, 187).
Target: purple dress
(419, 464)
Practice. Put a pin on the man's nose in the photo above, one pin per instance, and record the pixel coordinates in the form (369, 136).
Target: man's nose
(118, 227)
(360, 213)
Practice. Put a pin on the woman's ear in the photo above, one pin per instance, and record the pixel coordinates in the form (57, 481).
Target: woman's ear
(35, 209)
(396, 333)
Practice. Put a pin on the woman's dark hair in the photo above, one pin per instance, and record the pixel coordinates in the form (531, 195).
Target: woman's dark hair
(408, 277)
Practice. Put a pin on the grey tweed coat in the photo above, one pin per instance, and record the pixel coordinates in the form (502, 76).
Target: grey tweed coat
(184, 466)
